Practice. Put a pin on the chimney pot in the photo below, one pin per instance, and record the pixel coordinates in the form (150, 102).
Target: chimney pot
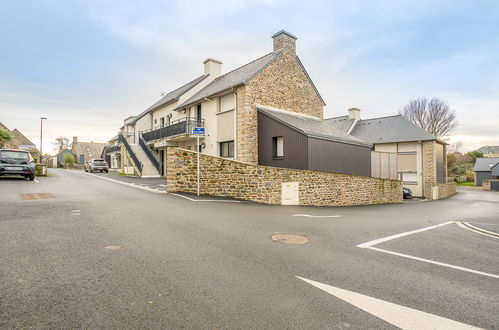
(212, 67)
(354, 113)
(285, 41)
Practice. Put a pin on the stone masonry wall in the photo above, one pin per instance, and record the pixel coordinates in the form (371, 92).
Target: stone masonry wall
(262, 184)
(284, 85)
(444, 190)
(429, 168)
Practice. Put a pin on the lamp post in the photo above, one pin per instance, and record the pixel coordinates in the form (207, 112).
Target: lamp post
(41, 137)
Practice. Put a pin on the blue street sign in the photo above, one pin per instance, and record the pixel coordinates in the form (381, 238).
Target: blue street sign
(198, 130)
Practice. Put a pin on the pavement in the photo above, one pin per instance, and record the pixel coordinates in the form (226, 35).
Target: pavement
(93, 253)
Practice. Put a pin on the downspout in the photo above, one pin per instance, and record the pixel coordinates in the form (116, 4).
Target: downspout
(235, 125)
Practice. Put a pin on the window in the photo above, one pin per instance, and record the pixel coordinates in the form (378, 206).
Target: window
(227, 149)
(162, 121)
(277, 147)
(227, 103)
(198, 114)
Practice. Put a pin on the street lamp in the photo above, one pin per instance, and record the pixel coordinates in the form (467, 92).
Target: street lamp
(41, 137)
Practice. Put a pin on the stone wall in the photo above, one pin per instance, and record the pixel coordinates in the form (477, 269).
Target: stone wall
(443, 190)
(283, 84)
(263, 184)
(429, 168)
(486, 184)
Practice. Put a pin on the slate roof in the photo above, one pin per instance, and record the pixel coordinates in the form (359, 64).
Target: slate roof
(311, 126)
(171, 97)
(390, 129)
(233, 78)
(18, 140)
(91, 150)
(495, 170)
(489, 149)
(485, 164)
(342, 123)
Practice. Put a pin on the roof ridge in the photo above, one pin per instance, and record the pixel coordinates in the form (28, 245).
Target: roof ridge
(176, 89)
(336, 117)
(382, 117)
(277, 51)
(265, 107)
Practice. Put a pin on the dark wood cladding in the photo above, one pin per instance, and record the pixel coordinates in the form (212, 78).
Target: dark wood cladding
(303, 152)
(294, 146)
(338, 157)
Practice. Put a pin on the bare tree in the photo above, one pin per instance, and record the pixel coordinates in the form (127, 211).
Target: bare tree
(435, 116)
(61, 143)
(455, 148)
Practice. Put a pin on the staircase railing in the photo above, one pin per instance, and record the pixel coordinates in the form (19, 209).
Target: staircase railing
(151, 155)
(130, 151)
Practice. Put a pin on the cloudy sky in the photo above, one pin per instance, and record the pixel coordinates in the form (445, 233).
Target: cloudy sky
(88, 64)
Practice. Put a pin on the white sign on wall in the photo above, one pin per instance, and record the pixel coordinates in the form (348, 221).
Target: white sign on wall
(290, 194)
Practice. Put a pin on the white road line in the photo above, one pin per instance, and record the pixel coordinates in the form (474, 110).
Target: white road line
(37, 181)
(129, 184)
(435, 262)
(407, 233)
(317, 216)
(397, 315)
(207, 200)
(370, 245)
(470, 227)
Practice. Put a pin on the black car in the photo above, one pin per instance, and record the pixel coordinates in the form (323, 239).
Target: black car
(407, 193)
(17, 162)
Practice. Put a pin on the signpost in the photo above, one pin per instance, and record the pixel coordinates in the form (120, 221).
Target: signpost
(198, 131)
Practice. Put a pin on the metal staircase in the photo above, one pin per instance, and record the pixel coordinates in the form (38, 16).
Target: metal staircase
(142, 158)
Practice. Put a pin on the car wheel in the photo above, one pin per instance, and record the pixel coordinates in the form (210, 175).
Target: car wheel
(31, 177)
(107, 171)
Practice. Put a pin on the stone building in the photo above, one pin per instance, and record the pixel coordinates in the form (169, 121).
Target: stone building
(252, 114)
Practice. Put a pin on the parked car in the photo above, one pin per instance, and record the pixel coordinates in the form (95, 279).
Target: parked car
(17, 162)
(99, 165)
(407, 193)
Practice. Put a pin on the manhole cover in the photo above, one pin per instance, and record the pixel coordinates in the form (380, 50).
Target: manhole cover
(290, 239)
(30, 197)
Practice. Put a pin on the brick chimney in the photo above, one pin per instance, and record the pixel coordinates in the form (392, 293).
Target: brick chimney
(75, 139)
(354, 113)
(286, 41)
(212, 67)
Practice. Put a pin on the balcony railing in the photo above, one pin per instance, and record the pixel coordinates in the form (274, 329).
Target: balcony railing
(175, 128)
(108, 150)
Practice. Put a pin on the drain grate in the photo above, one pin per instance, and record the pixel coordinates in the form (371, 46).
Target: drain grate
(30, 197)
(290, 239)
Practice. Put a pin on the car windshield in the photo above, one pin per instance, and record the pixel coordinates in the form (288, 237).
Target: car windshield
(17, 155)
(98, 161)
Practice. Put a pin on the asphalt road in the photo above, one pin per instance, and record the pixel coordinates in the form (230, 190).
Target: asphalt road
(104, 255)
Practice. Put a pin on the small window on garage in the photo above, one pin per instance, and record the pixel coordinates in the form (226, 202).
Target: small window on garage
(277, 147)
(227, 149)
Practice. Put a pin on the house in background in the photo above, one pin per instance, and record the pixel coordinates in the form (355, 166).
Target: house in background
(112, 154)
(61, 154)
(85, 151)
(19, 141)
(486, 169)
(489, 151)
(420, 157)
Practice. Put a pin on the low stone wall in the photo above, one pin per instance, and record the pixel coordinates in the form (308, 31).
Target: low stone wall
(264, 184)
(443, 190)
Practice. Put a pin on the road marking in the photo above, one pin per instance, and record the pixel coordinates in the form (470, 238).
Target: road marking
(470, 227)
(317, 216)
(207, 200)
(436, 262)
(407, 233)
(129, 184)
(37, 181)
(370, 245)
(397, 315)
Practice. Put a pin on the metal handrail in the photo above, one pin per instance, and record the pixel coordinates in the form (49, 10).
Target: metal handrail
(150, 154)
(110, 149)
(178, 127)
(130, 151)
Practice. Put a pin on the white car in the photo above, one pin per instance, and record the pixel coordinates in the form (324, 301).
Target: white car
(99, 165)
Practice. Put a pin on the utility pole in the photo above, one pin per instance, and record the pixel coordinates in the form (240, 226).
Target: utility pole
(41, 137)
